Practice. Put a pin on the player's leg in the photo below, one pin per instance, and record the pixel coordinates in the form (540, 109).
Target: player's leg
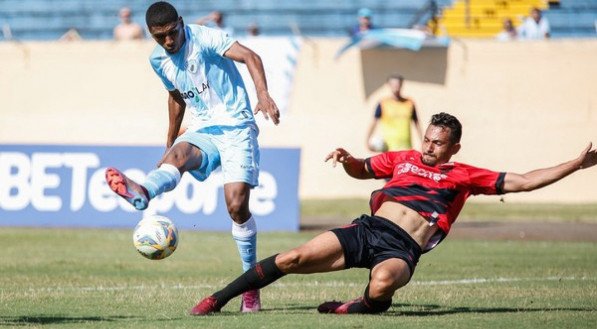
(180, 158)
(323, 253)
(385, 278)
(244, 233)
(239, 152)
(390, 253)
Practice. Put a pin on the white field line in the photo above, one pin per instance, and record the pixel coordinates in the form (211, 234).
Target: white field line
(325, 284)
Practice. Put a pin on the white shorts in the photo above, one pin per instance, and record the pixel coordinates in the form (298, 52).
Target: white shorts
(235, 149)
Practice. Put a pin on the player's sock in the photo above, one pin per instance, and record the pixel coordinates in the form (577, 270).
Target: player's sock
(161, 180)
(264, 273)
(367, 305)
(245, 235)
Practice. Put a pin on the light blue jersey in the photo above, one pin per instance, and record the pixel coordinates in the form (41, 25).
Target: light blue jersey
(209, 83)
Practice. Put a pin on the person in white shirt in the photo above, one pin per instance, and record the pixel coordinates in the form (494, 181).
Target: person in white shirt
(509, 32)
(535, 27)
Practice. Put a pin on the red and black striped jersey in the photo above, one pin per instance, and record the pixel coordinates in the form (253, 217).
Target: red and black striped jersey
(437, 193)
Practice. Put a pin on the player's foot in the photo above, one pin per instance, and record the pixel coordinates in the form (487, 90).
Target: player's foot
(337, 307)
(205, 307)
(132, 192)
(251, 302)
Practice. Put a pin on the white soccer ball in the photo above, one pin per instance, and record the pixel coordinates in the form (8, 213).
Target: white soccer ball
(155, 237)
(377, 144)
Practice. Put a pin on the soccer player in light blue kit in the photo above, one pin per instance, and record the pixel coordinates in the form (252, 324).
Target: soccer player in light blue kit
(196, 65)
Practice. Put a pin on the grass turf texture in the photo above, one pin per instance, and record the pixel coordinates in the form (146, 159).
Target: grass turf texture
(84, 278)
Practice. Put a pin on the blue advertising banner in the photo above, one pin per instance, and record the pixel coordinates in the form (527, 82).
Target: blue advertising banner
(64, 186)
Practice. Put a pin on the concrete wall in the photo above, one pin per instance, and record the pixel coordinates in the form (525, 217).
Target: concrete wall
(523, 105)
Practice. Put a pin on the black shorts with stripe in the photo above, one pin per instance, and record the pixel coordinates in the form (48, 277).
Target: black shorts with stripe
(370, 240)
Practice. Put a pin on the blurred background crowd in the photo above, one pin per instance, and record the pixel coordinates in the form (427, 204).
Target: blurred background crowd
(120, 19)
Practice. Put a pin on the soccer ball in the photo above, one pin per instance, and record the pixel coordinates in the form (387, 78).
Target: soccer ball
(155, 237)
(377, 144)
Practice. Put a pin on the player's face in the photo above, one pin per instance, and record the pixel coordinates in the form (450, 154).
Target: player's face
(437, 148)
(395, 86)
(169, 36)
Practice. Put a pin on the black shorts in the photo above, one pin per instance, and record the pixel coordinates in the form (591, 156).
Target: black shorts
(370, 240)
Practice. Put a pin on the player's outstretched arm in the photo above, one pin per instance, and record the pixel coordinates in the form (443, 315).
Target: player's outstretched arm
(354, 167)
(265, 103)
(542, 177)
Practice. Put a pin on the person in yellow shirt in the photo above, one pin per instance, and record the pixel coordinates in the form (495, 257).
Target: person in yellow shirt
(395, 115)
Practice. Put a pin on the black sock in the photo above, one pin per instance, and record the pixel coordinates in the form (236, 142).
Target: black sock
(259, 276)
(367, 305)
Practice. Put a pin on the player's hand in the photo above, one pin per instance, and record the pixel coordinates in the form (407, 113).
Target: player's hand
(588, 157)
(268, 107)
(338, 155)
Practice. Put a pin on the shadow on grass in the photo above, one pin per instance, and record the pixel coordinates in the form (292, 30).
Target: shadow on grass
(26, 320)
(435, 310)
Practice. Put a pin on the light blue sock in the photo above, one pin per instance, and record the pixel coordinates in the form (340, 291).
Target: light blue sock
(245, 236)
(161, 180)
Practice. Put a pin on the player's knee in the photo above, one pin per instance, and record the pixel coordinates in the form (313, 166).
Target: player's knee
(237, 210)
(177, 157)
(290, 261)
(383, 284)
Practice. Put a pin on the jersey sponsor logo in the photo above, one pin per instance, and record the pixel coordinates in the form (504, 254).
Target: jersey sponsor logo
(195, 92)
(407, 167)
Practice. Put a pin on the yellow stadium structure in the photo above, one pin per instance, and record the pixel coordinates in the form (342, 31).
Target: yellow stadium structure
(484, 18)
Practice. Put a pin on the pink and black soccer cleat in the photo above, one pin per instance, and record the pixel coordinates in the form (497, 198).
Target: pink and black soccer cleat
(335, 307)
(205, 307)
(251, 302)
(132, 192)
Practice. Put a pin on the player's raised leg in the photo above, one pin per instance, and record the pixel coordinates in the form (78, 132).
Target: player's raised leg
(321, 254)
(180, 158)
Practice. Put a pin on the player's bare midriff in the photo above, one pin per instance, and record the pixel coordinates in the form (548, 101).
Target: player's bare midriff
(409, 220)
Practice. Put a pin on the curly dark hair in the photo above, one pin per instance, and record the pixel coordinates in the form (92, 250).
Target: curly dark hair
(448, 121)
(160, 13)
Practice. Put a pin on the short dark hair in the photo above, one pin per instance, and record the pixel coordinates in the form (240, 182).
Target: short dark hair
(396, 77)
(448, 121)
(160, 13)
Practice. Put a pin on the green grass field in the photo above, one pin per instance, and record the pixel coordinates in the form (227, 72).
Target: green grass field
(84, 278)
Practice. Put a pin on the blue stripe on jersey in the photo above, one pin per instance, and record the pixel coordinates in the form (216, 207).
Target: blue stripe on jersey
(209, 83)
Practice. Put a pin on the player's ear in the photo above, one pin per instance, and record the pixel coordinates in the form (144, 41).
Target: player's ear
(455, 148)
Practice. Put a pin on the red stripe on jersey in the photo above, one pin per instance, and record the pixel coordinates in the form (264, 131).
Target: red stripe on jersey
(436, 193)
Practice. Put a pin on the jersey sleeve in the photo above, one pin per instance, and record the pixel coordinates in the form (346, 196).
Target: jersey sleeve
(156, 66)
(377, 114)
(382, 165)
(483, 181)
(216, 41)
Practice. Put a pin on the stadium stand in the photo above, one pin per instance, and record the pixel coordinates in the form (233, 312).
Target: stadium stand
(573, 18)
(483, 18)
(49, 19)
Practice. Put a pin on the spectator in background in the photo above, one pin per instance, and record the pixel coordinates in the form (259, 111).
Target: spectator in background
(71, 35)
(509, 32)
(535, 27)
(253, 30)
(127, 29)
(395, 114)
(365, 24)
(215, 20)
